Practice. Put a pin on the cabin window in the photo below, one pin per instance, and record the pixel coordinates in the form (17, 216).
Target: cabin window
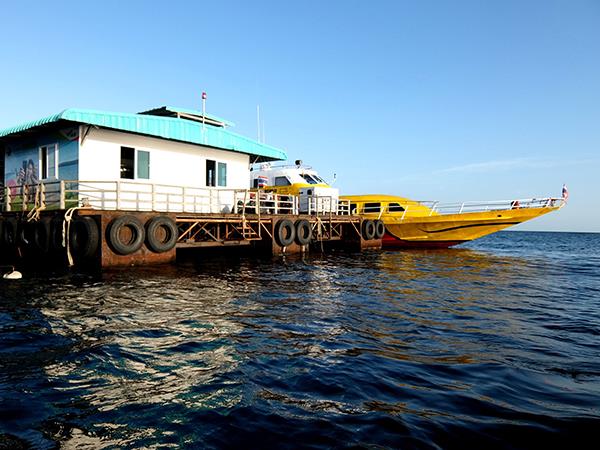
(222, 174)
(308, 178)
(353, 209)
(211, 176)
(372, 207)
(395, 207)
(127, 162)
(256, 183)
(143, 164)
(49, 161)
(282, 181)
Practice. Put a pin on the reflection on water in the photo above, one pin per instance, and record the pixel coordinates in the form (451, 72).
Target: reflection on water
(411, 349)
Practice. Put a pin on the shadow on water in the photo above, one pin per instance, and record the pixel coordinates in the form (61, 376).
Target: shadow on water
(418, 349)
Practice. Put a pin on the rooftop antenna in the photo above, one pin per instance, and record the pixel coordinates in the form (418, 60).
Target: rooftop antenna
(258, 122)
(203, 115)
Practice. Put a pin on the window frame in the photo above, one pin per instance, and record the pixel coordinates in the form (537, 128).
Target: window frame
(43, 162)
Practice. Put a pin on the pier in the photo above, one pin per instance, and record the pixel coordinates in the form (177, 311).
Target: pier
(123, 223)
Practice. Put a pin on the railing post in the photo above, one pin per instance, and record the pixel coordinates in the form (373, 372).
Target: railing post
(153, 200)
(62, 195)
(7, 201)
(118, 195)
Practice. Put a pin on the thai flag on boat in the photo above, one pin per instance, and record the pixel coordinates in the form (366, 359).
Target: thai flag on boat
(565, 193)
(262, 181)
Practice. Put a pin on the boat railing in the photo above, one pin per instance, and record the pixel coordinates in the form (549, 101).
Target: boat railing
(437, 208)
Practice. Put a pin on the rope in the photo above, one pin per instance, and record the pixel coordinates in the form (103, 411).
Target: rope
(66, 228)
(38, 205)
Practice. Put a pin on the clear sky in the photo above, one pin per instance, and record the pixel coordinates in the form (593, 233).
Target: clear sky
(446, 100)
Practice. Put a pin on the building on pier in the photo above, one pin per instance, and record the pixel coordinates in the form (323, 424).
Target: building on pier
(164, 146)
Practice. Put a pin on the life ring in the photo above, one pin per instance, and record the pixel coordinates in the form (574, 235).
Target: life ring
(368, 230)
(515, 204)
(379, 229)
(9, 232)
(161, 234)
(303, 232)
(285, 232)
(84, 237)
(132, 228)
(41, 234)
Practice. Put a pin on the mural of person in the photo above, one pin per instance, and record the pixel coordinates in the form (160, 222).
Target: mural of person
(31, 174)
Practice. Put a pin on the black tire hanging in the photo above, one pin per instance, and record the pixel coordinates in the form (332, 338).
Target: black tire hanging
(368, 230)
(303, 232)
(84, 237)
(41, 234)
(285, 232)
(26, 234)
(129, 245)
(9, 233)
(56, 233)
(161, 234)
(379, 229)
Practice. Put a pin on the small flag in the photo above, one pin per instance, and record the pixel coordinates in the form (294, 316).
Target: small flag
(565, 193)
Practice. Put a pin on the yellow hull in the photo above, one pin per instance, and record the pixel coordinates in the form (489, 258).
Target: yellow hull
(452, 229)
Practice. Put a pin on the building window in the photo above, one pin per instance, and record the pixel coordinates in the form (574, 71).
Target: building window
(127, 162)
(143, 164)
(222, 174)
(49, 161)
(282, 181)
(210, 173)
(135, 164)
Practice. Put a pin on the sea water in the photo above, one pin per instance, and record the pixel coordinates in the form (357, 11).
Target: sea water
(495, 344)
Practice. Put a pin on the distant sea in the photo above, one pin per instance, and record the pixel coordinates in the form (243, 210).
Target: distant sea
(495, 344)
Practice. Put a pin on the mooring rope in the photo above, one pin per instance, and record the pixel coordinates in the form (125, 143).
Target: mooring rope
(38, 205)
(66, 231)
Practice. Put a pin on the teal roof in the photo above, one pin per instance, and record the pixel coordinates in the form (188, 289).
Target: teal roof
(163, 127)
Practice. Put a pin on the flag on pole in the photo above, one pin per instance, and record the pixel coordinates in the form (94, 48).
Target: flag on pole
(565, 193)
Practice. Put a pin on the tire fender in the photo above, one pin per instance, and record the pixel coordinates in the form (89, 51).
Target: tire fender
(368, 230)
(161, 234)
(303, 232)
(115, 240)
(379, 229)
(285, 232)
(84, 237)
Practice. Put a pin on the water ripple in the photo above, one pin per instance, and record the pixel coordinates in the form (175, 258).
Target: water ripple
(487, 346)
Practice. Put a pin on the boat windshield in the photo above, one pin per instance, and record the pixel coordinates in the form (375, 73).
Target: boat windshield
(309, 179)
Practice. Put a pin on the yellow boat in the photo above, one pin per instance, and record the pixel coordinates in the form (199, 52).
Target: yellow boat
(411, 224)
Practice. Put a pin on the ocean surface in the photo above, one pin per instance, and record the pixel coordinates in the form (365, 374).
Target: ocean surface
(495, 344)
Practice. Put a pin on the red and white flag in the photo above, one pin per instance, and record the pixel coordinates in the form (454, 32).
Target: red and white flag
(565, 193)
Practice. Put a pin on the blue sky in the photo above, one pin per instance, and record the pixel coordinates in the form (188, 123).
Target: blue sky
(447, 100)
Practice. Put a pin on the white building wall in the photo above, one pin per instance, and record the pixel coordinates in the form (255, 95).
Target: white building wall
(171, 163)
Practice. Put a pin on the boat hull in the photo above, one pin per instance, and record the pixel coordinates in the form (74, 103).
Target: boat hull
(443, 231)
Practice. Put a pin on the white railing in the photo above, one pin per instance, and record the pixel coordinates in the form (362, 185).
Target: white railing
(135, 196)
(437, 208)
